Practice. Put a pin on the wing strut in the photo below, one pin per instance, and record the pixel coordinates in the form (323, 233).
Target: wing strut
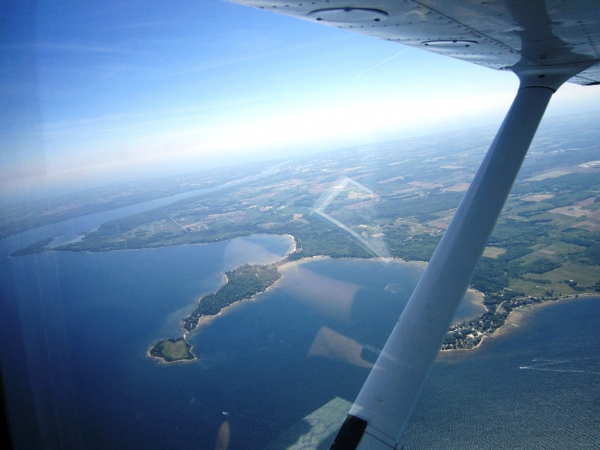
(383, 406)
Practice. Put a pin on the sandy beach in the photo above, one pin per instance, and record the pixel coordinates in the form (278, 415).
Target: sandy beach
(287, 265)
(518, 315)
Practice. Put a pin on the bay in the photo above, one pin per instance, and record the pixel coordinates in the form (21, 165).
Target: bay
(80, 324)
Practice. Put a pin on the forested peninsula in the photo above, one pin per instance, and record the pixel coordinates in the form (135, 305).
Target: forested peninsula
(242, 284)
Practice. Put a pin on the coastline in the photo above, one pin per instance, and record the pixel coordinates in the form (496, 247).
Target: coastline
(476, 300)
(352, 258)
(161, 359)
(516, 316)
(464, 333)
(59, 249)
(203, 320)
(285, 264)
(281, 264)
(206, 319)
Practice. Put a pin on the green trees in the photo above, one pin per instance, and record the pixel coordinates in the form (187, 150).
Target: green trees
(242, 283)
(170, 350)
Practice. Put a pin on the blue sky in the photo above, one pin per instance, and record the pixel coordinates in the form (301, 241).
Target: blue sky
(156, 87)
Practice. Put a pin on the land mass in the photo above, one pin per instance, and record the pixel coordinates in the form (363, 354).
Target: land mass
(36, 247)
(242, 283)
(18, 217)
(397, 202)
(469, 335)
(171, 350)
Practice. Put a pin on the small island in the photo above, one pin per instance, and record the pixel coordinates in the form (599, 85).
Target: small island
(171, 350)
(242, 284)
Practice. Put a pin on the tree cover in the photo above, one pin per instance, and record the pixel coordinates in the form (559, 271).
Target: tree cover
(170, 350)
(36, 247)
(242, 283)
(493, 277)
(523, 229)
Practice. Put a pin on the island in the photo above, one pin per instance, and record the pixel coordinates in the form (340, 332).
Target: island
(172, 350)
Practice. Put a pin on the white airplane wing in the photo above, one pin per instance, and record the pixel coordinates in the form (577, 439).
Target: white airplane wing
(496, 33)
(546, 43)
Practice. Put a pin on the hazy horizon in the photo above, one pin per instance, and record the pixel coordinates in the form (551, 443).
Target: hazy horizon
(121, 90)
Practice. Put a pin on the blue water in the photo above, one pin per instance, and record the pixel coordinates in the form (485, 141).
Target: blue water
(87, 335)
(80, 324)
(76, 328)
(536, 386)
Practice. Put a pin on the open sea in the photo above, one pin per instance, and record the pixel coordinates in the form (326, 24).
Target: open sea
(76, 328)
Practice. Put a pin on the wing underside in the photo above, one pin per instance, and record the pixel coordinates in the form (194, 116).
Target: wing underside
(496, 34)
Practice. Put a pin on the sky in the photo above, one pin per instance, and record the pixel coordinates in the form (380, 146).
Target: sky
(101, 91)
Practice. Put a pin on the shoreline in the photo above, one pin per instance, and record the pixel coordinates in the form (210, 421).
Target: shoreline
(354, 258)
(522, 311)
(203, 320)
(477, 300)
(283, 263)
(162, 360)
(516, 316)
(207, 319)
(513, 318)
(58, 249)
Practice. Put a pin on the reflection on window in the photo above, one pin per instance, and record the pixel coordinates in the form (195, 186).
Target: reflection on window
(351, 206)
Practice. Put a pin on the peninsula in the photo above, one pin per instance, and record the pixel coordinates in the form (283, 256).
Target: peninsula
(242, 283)
(36, 247)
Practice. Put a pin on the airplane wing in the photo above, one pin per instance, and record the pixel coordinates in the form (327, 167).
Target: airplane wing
(544, 42)
(497, 34)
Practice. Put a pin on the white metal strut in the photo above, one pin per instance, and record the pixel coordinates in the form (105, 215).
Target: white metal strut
(383, 406)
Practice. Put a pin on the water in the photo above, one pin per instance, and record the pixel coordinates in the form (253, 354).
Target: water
(86, 337)
(76, 328)
(78, 324)
(536, 386)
